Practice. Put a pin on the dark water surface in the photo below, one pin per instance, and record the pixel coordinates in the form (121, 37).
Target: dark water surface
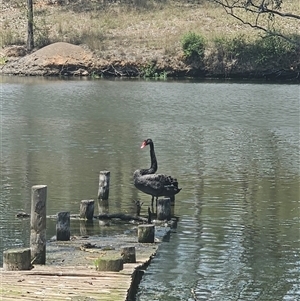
(234, 148)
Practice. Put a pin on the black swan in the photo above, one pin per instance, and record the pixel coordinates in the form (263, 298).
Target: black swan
(154, 184)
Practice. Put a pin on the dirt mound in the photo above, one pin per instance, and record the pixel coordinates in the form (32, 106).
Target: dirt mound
(61, 53)
(55, 59)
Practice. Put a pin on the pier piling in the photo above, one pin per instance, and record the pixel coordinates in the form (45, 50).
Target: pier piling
(63, 226)
(38, 224)
(87, 209)
(104, 179)
(128, 254)
(163, 209)
(146, 233)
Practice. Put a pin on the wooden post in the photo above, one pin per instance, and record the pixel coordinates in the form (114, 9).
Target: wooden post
(173, 223)
(109, 263)
(17, 259)
(128, 254)
(138, 206)
(87, 209)
(38, 224)
(163, 209)
(146, 233)
(103, 206)
(104, 179)
(63, 226)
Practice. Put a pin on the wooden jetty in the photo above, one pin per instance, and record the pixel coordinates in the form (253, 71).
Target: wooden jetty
(70, 273)
(71, 268)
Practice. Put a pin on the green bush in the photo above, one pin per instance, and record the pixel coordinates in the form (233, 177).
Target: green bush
(266, 52)
(150, 71)
(232, 48)
(273, 48)
(193, 45)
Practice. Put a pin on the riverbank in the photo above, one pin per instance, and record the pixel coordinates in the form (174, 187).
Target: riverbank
(141, 40)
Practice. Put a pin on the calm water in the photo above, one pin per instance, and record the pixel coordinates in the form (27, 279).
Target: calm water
(234, 148)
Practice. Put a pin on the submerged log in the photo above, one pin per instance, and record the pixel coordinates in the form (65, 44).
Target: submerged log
(121, 216)
(146, 233)
(87, 209)
(63, 226)
(104, 179)
(38, 223)
(17, 259)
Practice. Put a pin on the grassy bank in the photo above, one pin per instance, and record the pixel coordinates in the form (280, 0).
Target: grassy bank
(147, 30)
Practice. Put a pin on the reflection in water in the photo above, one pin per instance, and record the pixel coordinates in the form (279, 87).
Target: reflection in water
(233, 147)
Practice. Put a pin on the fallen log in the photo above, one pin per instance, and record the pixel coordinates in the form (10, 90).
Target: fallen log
(106, 216)
(122, 216)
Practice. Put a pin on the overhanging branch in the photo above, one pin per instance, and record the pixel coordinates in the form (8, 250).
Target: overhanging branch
(259, 10)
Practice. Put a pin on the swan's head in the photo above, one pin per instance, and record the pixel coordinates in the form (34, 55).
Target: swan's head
(146, 142)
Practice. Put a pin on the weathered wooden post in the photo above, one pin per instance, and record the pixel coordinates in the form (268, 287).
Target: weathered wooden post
(103, 206)
(146, 233)
(128, 254)
(173, 223)
(104, 179)
(63, 226)
(17, 259)
(138, 206)
(163, 209)
(38, 224)
(87, 209)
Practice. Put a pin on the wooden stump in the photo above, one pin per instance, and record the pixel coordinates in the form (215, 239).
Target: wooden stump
(104, 179)
(17, 259)
(87, 209)
(38, 224)
(128, 254)
(163, 209)
(109, 263)
(173, 223)
(146, 233)
(63, 226)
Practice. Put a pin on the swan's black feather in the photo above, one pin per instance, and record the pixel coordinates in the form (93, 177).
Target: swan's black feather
(147, 181)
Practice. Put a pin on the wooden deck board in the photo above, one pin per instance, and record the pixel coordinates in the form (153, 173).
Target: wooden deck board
(75, 283)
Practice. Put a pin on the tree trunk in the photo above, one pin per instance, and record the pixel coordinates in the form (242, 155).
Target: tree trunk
(30, 41)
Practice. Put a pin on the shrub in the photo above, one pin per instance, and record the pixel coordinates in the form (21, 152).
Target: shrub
(193, 45)
(273, 48)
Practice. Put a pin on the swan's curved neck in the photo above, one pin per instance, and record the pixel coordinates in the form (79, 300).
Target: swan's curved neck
(153, 167)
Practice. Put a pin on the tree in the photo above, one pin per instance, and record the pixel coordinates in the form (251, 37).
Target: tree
(30, 41)
(262, 14)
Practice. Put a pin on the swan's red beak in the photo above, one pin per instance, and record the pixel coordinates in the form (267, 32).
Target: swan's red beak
(143, 144)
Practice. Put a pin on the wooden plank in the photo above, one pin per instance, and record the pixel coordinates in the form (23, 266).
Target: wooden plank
(48, 282)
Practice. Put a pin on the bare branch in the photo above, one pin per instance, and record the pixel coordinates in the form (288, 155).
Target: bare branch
(270, 8)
